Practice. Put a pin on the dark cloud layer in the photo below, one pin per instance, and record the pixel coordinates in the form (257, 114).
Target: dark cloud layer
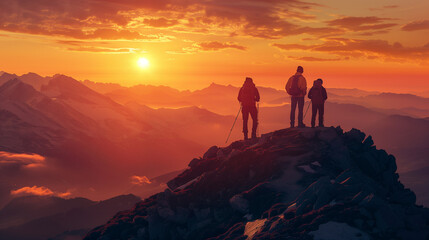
(215, 46)
(384, 8)
(315, 59)
(21, 159)
(114, 19)
(361, 23)
(416, 25)
(362, 48)
(148, 20)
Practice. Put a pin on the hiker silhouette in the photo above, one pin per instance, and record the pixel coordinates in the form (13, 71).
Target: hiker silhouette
(296, 86)
(248, 96)
(318, 96)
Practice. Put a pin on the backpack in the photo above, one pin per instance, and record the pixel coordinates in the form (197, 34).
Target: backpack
(294, 89)
(247, 95)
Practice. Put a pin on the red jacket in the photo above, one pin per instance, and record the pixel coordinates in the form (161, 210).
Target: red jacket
(248, 95)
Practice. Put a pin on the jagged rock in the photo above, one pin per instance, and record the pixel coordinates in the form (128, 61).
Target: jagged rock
(239, 203)
(212, 152)
(328, 134)
(405, 197)
(194, 162)
(290, 184)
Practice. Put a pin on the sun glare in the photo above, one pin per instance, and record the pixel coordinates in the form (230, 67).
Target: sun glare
(143, 63)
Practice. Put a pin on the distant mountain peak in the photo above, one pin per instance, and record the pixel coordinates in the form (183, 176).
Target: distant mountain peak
(31, 74)
(7, 76)
(65, 86)
(217, 85)
(288, 184)
(15, 85)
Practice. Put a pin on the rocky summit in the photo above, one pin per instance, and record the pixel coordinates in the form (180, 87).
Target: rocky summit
(320, 183)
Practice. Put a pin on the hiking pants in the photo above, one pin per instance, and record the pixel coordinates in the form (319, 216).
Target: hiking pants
(317, 107)
(254, 114)
(300, 102)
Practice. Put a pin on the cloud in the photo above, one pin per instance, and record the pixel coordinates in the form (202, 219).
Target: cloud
(113, 19)
(97, 47)
(416, 25)
(34, 190)
(38, 191)
(140, 180)
(363, 48)
(216, 46)
(160, 22)
(384, 8)
(79, 19)
(361, 23)
(104, 50)
(209, 46)
(22, 159)
(372, 33)
(315, 59)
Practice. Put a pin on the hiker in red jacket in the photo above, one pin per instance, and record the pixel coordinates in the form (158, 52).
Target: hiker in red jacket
(248, 96)
(318, 96)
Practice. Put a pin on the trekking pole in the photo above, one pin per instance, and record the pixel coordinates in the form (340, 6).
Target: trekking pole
(259, 125)
(234, 123)
(307, 109)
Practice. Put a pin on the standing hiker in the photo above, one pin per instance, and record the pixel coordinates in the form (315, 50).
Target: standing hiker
(318, 96)
(248, 96)
(296, 86)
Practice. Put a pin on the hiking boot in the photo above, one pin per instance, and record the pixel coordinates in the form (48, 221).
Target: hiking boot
(301, 125)
(246, 137)
(321, 125)
(292, 125)
(253, 135)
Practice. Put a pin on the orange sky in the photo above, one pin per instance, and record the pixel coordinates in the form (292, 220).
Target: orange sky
(377, 45)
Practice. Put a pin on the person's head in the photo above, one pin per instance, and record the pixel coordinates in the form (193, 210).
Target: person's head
(248, 82)
(300, 69)
(318, 82)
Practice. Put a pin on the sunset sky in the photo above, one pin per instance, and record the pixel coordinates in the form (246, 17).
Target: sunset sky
(376, 45)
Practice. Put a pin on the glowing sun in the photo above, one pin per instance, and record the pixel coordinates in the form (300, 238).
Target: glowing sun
(143, 63)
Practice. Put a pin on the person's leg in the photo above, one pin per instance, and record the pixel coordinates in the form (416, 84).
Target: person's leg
(321, 114)
(313, 114)
(300, 111)
(245, 112)
(254, 114)
(292, 111)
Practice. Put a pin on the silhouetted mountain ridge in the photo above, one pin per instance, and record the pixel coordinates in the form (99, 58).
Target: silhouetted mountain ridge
(288, 184)
(27, 208)
(65, 217)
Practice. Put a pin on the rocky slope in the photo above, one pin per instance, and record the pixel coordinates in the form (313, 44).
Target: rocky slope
(290, 184)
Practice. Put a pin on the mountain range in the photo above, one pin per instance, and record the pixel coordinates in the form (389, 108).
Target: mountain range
(58, 131)
(87, 126)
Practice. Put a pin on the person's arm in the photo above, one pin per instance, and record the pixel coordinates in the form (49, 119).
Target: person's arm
(303, 85)
(257, 97)
(325, 94)
(288, 84)
(240, 95)
(310, 93)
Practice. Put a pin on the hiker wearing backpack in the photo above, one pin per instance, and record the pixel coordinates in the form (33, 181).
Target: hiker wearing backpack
(296, 86)
(318, 96)
(248, 96)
